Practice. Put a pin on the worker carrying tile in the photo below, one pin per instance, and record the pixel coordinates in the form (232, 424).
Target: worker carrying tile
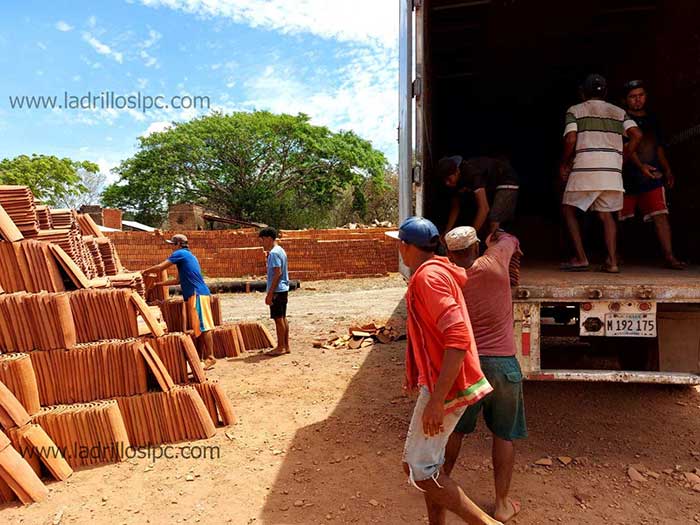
(194, 291)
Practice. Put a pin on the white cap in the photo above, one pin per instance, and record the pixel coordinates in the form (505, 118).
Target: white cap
(461, 238)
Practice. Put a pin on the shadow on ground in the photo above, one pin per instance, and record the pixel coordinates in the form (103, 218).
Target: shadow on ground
(347, 468)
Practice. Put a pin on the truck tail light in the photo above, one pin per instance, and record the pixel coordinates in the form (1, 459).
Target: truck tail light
(645, 307)
(586, 307)
(614, 307)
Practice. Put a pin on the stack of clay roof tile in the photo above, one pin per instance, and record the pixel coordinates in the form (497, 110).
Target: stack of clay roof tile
(91, 371)
(111, 314)
(255, 336)
(18, 202)
(228, 341)
(88, 433)
(166, 417)
(217, 403)
(88, 226)
(29, 265)
(43, 214)
(19, 477)
(109, 256)
(179, 355)
(17, 373)
(91, 245)
(175, 313)
(63, 218)
(131, 280)
(8, 229)
(36, 321)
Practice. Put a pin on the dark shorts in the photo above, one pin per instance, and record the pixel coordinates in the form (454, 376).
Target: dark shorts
(278, 308)
(503, 207)
(504, 408)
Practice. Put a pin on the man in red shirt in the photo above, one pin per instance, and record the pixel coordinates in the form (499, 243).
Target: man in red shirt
(442, 363)
(490, 304)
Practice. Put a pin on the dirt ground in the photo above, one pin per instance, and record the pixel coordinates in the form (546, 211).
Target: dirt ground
(320, 435)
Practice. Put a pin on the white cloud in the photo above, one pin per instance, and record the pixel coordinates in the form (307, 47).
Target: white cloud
(153, 37)
(76, 78)
(103, 48)
(156, 127)
(142, 83)
(148, 60)
(366, 21)
(92, 21)
(363, 100)
(63, 26)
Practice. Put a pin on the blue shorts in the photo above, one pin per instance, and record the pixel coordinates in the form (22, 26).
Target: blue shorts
(504, 408)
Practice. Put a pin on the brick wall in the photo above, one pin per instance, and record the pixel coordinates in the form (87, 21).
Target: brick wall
(112, 218)
(313, 254)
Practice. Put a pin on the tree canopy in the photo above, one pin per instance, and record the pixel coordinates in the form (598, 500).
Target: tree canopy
(278, 169)
(51, 179)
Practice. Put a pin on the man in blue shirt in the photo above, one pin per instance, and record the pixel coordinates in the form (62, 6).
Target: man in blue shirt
(277, 288)
(194, 291)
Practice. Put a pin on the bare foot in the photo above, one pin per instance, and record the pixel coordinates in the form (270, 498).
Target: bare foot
(508, 511)
(209, 363)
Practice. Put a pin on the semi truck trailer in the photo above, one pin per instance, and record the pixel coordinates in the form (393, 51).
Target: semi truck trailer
(485, 76)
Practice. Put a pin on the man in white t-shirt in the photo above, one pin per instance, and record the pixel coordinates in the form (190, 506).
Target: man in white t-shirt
(591, 167)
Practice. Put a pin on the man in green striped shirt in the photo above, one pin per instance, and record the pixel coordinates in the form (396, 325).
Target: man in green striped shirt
(591, 167)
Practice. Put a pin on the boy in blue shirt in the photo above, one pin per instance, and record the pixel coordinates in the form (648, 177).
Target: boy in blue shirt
(194, 291)
(277, 288)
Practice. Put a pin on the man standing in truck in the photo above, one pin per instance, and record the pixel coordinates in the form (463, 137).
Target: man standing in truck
(591, 167)
(489, 301)
(494, 184)
(442, 364)
(642, 193)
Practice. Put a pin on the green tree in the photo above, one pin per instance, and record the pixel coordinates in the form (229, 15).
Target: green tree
(51, 179)
(278, 169)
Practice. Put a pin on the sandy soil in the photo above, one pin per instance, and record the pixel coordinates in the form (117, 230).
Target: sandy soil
(320, 436)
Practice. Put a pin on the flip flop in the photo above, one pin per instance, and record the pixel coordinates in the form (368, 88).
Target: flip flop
(606, 268)
(569, 267)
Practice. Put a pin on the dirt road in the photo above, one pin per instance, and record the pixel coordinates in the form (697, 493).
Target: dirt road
(320, 436)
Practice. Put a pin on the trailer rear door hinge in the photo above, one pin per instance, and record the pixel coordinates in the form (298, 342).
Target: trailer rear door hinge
(417, 87)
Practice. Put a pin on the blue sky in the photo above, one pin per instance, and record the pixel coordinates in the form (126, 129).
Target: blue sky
(336, 61)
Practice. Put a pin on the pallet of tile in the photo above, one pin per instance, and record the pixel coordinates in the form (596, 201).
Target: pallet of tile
(156, 418)
(17, 373)
(175, 313)
(63, 218)
(40, 321)
(43, 215)
(94, 251)
(89, 433)
(110, 258)
(179, 354)
(131, 280)
(74, 272)
(217, 403)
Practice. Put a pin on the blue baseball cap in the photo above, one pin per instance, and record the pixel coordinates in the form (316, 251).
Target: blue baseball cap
(417, 231)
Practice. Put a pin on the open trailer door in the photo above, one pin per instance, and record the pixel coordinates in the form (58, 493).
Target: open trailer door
(405, 108)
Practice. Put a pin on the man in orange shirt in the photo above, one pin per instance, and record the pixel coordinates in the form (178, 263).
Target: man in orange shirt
(441, 361)
(490, 304)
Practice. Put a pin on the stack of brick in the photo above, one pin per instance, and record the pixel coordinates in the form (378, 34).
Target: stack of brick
(313, 254)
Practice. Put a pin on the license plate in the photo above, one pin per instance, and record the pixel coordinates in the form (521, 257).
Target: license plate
(630, 325)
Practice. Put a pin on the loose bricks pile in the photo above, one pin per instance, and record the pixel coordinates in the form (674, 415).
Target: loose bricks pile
(313, 254)
(86, 367)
